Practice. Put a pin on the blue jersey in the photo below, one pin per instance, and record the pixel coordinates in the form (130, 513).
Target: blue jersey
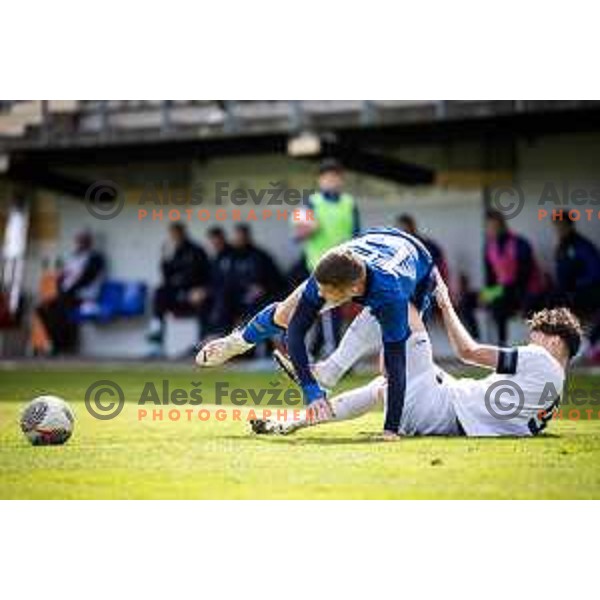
(399, 271)
(396, 263)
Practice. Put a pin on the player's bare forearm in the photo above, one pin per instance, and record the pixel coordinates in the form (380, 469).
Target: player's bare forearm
(466, 348)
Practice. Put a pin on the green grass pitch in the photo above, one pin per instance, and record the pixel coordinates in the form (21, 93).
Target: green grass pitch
(128, 458)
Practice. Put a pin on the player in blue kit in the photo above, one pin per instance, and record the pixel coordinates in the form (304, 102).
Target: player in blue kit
(384, 270)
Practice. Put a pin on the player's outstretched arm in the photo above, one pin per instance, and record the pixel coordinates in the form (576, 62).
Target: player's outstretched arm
(466, 348)
(303, 317)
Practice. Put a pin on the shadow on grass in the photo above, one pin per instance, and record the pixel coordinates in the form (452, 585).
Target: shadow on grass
(361, 438)
(300, 441)
(373, 437)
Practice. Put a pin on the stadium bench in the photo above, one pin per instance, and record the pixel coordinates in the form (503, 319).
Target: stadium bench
(117, 299)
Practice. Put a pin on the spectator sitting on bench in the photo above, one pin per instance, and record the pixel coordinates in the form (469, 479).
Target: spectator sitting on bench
(258, 279)
(79, 281)
(186, 274)
(224, 283)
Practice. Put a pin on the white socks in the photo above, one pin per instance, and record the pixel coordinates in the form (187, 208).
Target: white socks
(357, 402)
(349, 405)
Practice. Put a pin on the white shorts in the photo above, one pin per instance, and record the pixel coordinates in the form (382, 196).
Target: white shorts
(427, 408)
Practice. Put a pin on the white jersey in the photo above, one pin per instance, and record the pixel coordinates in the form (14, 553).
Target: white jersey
(516, 400)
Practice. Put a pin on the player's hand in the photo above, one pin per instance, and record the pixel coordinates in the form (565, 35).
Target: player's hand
(318, 411)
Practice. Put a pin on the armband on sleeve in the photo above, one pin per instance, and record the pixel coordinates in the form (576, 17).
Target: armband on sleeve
(507, 361)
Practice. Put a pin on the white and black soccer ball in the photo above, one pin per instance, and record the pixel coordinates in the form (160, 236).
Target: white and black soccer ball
(47, 420)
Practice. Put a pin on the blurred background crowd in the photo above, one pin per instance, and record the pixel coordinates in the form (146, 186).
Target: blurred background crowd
(222, 280)
(75, 284)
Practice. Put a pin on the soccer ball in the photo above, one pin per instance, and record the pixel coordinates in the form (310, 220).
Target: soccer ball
(47, 420)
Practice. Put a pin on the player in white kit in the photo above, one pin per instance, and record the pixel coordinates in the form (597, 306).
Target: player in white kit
(518, 399)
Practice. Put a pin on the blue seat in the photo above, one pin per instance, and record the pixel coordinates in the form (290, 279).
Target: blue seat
(133, 300)
(116, 299)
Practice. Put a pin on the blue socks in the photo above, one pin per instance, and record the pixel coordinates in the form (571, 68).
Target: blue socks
(262, 327)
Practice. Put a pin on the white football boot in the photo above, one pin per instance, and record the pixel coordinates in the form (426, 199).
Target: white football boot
(277, 427)
(219, 351)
